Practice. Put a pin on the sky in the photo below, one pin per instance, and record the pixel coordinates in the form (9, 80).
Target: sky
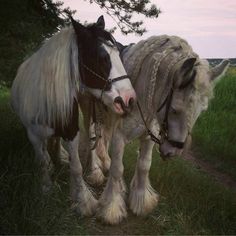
(209, 26)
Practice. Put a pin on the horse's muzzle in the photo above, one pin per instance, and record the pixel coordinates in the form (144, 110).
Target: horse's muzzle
(126, 108)
(169, 149)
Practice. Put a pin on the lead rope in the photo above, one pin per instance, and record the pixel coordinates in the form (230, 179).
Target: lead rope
(97, 119)
(164, 125)
(150, 133)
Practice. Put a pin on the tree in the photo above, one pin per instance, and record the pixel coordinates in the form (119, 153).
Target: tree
(122, 12)
(24, 25)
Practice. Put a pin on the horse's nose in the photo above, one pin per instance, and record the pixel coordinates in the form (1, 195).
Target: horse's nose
(131, 102)
(126, 106)
(119, 100)
(166, 156)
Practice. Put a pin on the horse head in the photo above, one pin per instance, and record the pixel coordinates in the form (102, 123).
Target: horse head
(193, 85)
(101, 69)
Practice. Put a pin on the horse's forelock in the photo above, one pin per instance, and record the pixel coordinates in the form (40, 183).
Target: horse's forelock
(98, 32)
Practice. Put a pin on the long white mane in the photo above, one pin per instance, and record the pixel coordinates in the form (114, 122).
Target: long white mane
(46, 83)
(151, 64)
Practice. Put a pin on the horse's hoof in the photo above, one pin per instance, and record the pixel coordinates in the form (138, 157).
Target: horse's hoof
(142, 202)
(112, 212)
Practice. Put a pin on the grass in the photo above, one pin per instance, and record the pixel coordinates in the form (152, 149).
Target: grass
(214, 134)
(191, 202)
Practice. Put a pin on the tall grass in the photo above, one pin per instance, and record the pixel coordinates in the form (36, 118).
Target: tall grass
(214, 135)
(190, 201)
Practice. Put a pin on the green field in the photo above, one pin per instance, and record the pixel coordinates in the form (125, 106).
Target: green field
(191, 201)
(214, 133)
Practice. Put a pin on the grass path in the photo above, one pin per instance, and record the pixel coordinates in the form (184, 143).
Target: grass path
(210, 169)
(191, 201)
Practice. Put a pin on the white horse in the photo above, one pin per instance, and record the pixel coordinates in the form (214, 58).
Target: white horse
(45, 94)
(173, 86)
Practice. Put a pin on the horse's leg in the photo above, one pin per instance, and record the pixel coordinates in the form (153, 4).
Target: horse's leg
(102, 150)
(143, 198)
(95, 175)
(57, 152)
(38, 137)
(112, 207)
(82, 198)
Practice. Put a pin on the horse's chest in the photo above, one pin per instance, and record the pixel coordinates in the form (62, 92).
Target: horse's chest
(69, 130)
(133, 127)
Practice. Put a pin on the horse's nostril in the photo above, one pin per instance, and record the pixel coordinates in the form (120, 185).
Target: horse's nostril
(118, 100)
(131, 102)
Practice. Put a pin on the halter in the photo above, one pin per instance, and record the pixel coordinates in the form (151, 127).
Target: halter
(97, 116)
(109, 82)
(164, 126)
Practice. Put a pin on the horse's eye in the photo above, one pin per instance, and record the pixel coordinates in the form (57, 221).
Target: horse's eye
(173, 110)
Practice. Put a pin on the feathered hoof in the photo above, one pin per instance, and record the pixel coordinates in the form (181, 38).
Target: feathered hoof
(86, 204)
(46, 182)
(112, 212)
(142, 202)
(96, 177)
(86, 208)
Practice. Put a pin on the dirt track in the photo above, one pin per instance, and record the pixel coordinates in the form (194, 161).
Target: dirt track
(205, 166)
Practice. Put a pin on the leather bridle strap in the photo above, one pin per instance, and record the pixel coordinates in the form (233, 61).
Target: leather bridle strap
(176, 144)
(119, 78)
(164, 125)
(108, 81)
(150, 133)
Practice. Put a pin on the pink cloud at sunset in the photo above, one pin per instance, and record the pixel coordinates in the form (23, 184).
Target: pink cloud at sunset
(208, 25)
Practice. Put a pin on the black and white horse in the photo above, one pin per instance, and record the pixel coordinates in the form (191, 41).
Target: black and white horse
(45, 94)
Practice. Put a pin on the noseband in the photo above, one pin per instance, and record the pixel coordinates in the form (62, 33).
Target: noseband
(164, 126)
(108, 82)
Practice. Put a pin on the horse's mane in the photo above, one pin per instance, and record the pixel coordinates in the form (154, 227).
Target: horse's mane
(47, 82)
(155, 60)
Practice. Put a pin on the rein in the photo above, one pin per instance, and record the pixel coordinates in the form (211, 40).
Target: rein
(164, 125)
(150, 133)
(163, 133)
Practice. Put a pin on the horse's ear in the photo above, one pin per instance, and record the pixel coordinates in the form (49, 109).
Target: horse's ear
(120, 46)
(218, 71)
(188, 72)
(80, 30)
(189, 63)
(101, 23)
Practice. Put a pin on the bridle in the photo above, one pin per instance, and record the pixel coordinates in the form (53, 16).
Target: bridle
(109, 82)
(163, 133)
(97, 113)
